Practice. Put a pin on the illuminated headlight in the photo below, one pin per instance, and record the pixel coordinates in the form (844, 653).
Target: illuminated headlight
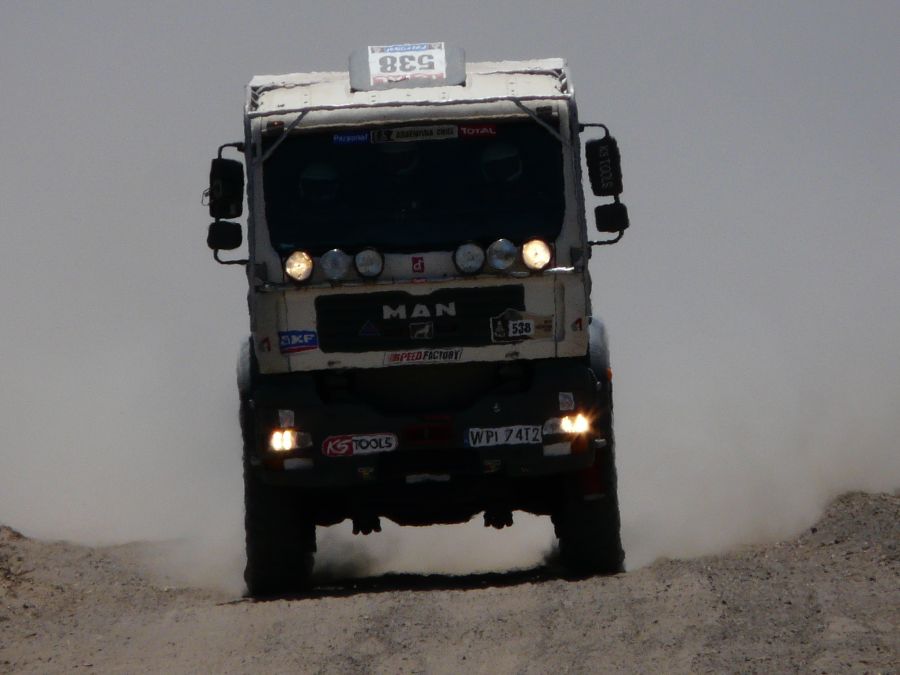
(286, 440)
(298, 266)
(283, 440)
(536, 254)
(335, 264)
(577, 424)
(369, 263)
(469, 258)
(501, 254)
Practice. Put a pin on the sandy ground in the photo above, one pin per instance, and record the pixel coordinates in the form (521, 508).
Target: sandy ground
(826, 602)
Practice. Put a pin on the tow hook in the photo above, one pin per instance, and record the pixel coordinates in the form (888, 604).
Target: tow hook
(498, 518)
(366, 524)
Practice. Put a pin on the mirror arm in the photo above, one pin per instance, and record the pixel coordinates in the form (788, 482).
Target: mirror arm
(239, 146)
(242, 261)
(609, 242)
(585, 125)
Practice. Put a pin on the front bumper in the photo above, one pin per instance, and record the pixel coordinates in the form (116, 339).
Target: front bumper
(428, 448)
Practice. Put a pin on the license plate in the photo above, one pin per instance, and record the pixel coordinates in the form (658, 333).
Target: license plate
(520, 434)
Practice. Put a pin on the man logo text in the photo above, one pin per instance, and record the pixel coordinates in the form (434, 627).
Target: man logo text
(418, 311)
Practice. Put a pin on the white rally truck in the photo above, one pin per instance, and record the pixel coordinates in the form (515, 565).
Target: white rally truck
(422, 343)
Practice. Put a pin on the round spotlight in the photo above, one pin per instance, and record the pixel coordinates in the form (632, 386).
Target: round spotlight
(335, 264)
(502, 254)
(469, 258)
(536, 254)
(369, 263)
(298, 266)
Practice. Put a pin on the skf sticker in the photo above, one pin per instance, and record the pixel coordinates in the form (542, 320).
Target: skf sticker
(520, 434)
(293, 341)
(363, 444)
(423, 356)
(418, 264)
(515, 326)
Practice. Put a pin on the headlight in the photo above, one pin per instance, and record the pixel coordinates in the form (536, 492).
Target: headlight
(288, 440)
(298, 266)
(283, 440)
(501, 254)
(536, 254)
(469, 258)
(577, 424)
(369, 263)
(335, 264)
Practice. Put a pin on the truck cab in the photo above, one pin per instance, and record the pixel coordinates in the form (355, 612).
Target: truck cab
(422, 343)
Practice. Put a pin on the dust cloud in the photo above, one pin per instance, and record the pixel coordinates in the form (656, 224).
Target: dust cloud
(752, 307)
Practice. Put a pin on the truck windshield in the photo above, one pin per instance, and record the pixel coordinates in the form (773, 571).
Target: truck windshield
(414, 187)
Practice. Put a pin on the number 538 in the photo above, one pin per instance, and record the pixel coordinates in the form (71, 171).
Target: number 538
(406, 63)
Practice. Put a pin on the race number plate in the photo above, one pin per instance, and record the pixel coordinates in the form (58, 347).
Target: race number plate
(396, 63)
(521, 328)
(520, 434)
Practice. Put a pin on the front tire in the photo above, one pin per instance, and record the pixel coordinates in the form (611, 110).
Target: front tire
(588, 524)
(280, 539)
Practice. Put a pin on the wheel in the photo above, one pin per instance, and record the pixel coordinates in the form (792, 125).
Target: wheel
(589, 541)
(280, 541)
(588, 525)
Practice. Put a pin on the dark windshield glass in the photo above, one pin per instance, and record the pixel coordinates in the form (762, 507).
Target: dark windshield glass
(414, 187)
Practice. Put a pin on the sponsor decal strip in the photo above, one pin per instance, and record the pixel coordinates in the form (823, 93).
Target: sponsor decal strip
(434, 132)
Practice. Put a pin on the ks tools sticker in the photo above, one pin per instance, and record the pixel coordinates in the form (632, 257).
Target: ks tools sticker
(348, 445)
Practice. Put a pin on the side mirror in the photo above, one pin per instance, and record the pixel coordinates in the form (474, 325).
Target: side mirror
(611, 217)
(226, 189)
(224, 235)
(604, 165)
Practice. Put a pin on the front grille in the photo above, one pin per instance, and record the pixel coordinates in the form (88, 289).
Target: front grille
(396, 391)
(450, 317)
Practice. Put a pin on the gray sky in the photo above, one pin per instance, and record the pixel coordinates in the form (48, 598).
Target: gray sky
(753, 308)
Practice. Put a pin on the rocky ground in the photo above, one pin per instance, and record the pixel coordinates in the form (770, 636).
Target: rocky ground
(826, 602)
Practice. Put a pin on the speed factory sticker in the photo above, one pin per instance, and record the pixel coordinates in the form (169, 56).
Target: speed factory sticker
(423, 356)
(349, 445)
(515, 326)
(520, 434)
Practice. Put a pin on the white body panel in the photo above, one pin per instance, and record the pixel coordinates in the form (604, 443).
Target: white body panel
(493, 90)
